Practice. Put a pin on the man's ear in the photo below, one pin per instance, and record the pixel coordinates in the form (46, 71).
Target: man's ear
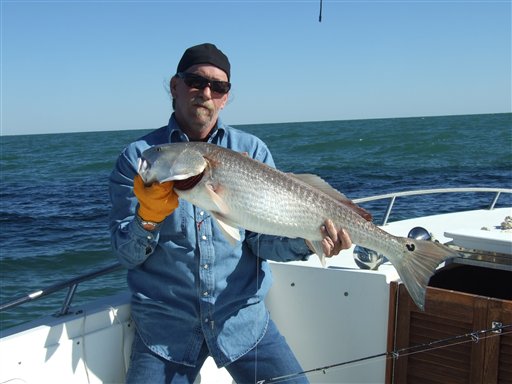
(225, 101)
(172, 85)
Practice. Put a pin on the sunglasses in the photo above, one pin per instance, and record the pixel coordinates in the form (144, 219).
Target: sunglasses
(199, 82)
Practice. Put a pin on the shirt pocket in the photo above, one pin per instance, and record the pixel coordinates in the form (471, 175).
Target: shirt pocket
(179, 225)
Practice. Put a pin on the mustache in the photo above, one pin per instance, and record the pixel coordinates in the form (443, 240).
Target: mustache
(200, 102)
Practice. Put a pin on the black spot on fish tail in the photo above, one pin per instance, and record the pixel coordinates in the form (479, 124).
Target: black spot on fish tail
(418, 262)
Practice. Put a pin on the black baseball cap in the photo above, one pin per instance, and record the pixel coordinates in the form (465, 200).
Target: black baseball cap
(205, 53)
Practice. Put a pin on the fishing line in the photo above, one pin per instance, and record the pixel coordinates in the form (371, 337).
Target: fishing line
(475, 336)
(257, 258)
(84, 357)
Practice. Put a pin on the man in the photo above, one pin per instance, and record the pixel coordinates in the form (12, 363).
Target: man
(194, 293)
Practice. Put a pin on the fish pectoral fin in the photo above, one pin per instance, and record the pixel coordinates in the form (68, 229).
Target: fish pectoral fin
(317, 246)
(231, 233)
(220, 214)
(217, 200)
(322, 185)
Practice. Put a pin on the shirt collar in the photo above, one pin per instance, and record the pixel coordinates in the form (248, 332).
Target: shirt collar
(177, 135)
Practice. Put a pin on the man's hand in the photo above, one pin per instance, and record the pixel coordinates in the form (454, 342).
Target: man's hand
(334, 241)
(156, 201)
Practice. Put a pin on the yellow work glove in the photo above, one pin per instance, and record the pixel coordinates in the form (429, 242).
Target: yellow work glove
(156, 201)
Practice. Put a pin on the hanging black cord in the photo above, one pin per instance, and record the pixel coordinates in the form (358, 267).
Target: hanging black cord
(320, 15)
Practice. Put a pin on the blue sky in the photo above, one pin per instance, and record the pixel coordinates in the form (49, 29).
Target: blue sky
(103, 65)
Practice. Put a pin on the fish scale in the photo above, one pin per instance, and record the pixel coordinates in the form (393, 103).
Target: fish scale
(241, 192)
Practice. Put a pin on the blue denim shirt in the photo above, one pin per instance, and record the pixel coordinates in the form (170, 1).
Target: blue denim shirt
(189, 284)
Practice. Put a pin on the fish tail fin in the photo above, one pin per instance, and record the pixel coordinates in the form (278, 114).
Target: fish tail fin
(418, 263)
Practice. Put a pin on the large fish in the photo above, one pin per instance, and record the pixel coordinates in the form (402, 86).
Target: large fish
(241, 192)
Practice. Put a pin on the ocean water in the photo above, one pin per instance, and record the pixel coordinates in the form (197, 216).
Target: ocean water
(54, 200)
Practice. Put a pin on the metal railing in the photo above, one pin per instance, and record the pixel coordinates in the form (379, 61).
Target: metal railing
(72, 284)
(393, 196)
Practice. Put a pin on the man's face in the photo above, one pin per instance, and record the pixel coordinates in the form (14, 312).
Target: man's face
(197, 110)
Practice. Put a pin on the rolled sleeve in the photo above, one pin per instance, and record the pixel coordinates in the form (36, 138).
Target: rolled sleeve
(277, 248)
(132, 244)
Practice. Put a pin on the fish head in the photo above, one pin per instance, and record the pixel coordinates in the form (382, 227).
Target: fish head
(170, 162)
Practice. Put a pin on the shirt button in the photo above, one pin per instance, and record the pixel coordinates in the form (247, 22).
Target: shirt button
(205, 293)
(205, 266)
(206, 320)
(201, 213)
(203, 237)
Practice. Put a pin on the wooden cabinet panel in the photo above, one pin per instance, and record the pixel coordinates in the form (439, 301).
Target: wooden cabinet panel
(498, 358)
(449, 314)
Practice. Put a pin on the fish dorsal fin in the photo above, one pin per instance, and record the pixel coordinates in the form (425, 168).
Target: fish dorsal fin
(322, 185)
(319, 183)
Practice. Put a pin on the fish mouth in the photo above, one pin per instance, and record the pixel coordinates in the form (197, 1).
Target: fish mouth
(186, 180)
(189, 183)
(143, 168)
(142, 165)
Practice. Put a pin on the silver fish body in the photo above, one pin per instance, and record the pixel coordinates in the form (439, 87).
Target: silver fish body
(241, 192)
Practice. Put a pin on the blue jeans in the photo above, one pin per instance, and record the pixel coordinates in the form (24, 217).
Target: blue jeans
(271, 358)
